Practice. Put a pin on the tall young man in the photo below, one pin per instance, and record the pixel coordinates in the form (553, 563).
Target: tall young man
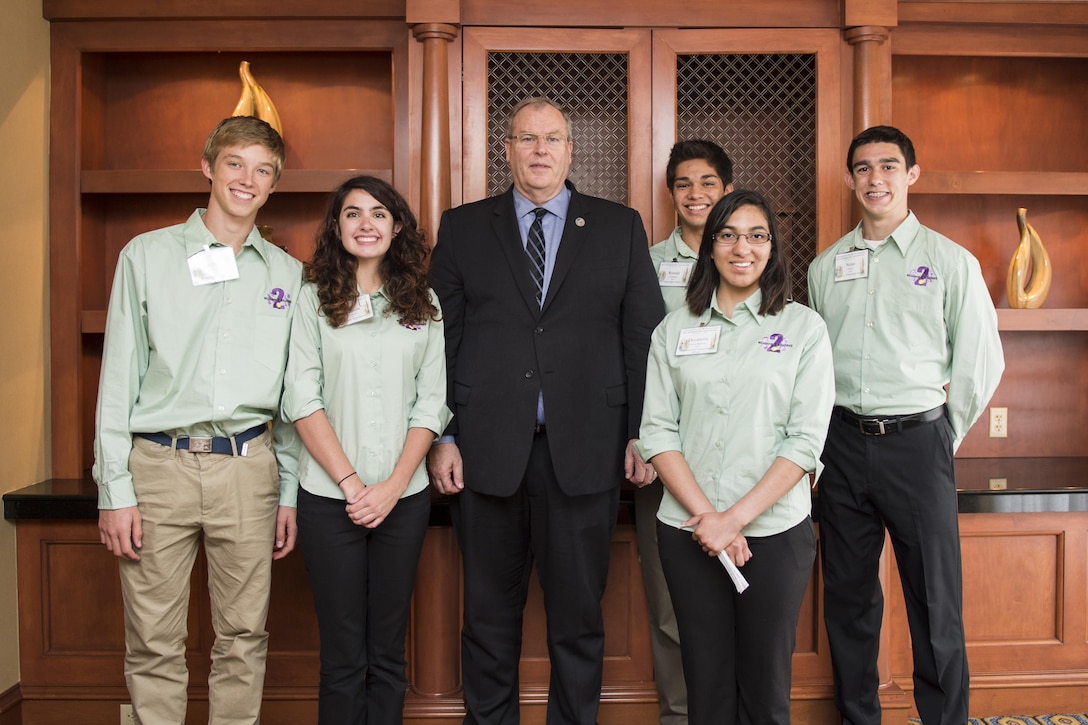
(908, 313)
(192, 370)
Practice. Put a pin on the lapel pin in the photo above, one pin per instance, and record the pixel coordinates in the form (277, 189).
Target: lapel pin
(579, 222)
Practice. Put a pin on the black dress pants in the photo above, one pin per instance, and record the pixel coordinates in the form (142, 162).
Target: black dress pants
(904, 481)
(737, 649)
(362, 582)
(568, 537)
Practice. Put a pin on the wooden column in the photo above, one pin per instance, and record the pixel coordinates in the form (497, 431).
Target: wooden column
(436, 618)
(435, 143)
(872, 75)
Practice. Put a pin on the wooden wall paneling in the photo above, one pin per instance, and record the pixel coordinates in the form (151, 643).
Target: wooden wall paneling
(1045, 419)
(1011, 40)
(1025, 599)
(124, 160)
(478, 42)
(653, 13)
(824, 44)
(67, 431)
(1028, 12)
(169, 9)
(987, 113)
(1025, 612)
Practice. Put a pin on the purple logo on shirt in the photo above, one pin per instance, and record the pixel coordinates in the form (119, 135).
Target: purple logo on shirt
(775, 343)
(278, 298)
(922, 276)
(412, 325)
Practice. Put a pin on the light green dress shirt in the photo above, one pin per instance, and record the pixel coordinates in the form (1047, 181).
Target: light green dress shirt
(765, 393)
(672, 249)
(922, 319)
(190, 360)
(375, 379)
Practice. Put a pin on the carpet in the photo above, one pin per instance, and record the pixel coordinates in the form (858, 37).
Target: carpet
(1022, 720)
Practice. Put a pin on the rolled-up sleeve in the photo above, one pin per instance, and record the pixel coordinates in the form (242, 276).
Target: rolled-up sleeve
(304, 380)
(660, 427)
(429, 409)
(812, 401)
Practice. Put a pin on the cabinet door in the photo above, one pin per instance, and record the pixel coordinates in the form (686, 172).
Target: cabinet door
(772, 99)
(601, 77)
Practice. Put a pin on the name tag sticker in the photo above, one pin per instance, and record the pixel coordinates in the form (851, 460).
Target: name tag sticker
(674, 274)
(364, 310)
(698, 340)
(213, 264)
(852, 265)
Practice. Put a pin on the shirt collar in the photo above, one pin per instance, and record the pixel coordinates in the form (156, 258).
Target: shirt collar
(197, 236)
(749, 307)
(557, 205)
(902, 237)
(682, 249)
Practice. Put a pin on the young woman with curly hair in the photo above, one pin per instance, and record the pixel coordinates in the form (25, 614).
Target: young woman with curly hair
(366, 389)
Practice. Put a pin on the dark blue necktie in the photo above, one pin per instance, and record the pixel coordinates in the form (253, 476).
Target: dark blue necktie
(535, 249)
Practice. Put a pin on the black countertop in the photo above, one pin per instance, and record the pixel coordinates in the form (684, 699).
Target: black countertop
(1030, 485)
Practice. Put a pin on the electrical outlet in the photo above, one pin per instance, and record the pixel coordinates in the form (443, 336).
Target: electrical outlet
(999, 422)
(999, 484)
(128, 717)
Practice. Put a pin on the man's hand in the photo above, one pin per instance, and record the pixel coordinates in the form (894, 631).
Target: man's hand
(121, 530)
(446, 468)
(635, 469)
(286, 532)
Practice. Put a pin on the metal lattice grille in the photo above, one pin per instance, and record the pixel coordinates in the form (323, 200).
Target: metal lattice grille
(762, 110)
(592, 87)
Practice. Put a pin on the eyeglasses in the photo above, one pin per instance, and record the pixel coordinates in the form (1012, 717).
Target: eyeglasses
(530, 140)
(728, 239)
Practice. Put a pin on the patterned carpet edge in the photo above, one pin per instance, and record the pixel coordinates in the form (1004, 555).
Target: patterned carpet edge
(1081, 719)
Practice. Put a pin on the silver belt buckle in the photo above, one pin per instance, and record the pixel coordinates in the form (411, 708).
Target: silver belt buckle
(200, 445)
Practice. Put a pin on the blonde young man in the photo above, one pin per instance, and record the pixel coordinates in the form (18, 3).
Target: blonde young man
(192, 370)
(698, 174)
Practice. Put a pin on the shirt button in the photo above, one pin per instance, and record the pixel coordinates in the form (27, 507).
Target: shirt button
(222, 372)
(868, 324)
(222, 408)
(872, 291)
(866, 390)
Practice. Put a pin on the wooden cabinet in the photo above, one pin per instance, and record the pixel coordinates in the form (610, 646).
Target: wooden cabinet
(996, 115)
(132, 104)
(996, 112)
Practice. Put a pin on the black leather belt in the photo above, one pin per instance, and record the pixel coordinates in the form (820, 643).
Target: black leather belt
(878, 425)
(207, 444)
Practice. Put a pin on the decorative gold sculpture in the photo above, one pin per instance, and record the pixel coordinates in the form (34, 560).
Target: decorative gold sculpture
(1029, 271)
(254, 101)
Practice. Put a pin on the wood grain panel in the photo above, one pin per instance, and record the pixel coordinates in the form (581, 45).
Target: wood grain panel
(1043, 419)
(1017, 580)
(986, 113)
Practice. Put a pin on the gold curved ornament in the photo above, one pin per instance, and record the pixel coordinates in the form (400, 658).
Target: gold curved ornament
(1030, 271)
(254, 101)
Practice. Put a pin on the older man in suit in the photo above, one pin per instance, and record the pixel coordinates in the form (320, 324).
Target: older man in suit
(549, 300)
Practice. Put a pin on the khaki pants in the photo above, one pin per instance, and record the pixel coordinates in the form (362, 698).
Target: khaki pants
(230, 503)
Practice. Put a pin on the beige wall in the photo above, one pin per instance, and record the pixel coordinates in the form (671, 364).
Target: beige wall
(24, 311)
